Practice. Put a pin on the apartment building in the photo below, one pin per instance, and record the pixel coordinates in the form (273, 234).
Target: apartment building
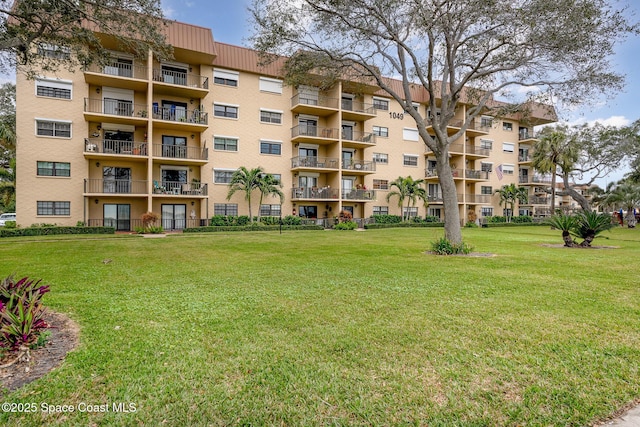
(106, 144)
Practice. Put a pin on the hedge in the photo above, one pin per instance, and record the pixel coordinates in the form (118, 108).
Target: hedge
(50, 231)
(213, 229)
(512, 224)
(404, 224)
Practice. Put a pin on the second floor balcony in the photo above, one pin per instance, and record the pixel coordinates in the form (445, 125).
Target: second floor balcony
(115, 187)
(358, 194)
(119, 111)
(183, 152)
(361, 166)
(314, 162)
(314, 193)
(101, 147)
(314, 103)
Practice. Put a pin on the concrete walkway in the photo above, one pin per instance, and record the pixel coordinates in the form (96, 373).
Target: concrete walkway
(628, 419)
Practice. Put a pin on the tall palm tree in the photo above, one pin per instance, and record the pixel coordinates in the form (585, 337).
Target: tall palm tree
(510, 194)
(409, 189)
(548, 154)
(269, 185)
(247, 181)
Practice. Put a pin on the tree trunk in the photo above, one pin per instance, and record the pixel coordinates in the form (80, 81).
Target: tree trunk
(631, 218)
(568, 241)
(569, 191)
(452, 230)
(553, 191)
(587, 240)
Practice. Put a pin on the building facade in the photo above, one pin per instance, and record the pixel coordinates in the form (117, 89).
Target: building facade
(106, 144)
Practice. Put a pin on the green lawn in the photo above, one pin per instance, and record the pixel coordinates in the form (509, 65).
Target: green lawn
(339, 328)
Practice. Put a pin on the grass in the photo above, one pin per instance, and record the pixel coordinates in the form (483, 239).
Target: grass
(339, 328)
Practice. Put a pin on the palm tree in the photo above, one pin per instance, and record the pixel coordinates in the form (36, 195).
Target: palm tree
(247, 181)
(269, 185)
(510, 194)
(408, 189)
(626, 195)
(8, 187)
(552, 151)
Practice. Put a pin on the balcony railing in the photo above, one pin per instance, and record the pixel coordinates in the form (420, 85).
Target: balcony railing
(314, 131)
(118, 224)
(314, 193)
(453, 148)
(114, 146)
(476, 174)
(180, 152)
(359, 165)
(180, 188)
(478, 198)
(432, 172)
(479, 125)
(357, 106)
(354, 135)
(524, 157)
(314, 162)
(435, 197)
(525, 134)
(539, 200)
(319, 101)
(355, 194)
(115, 186)
(119, 69)
(174, 114)
(472, 149)
(114, 107)
(180, 78)
(534, 179)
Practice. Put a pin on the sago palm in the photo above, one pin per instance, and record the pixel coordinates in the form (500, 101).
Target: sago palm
(590, 224)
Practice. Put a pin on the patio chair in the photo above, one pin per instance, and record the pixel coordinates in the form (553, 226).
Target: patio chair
(157, 188)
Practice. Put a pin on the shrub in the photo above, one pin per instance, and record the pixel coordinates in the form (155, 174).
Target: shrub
(345, 216)
(21, 313)
(149, 219)
(471, 224)
(496, 219)
(583, 225)
(270, 220)
(522, 219)
(292, 220)
(443, 246)
(80, 224)
(243, 220)
(46, 231)
(346, 225)
(386, 219)
(11, 224)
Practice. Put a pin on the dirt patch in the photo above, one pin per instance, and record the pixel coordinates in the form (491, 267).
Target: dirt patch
(561, 245)
(64, 338)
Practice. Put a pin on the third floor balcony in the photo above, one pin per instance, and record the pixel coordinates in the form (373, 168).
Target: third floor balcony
(181, 153)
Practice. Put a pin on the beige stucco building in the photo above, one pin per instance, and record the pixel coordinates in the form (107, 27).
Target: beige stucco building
(106, 144)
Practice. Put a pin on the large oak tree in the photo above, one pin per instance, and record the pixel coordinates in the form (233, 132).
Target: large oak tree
(459, 51)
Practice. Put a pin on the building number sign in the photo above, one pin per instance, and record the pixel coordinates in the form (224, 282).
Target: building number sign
(394, 115)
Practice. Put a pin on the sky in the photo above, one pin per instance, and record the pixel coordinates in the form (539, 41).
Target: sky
(230, 23)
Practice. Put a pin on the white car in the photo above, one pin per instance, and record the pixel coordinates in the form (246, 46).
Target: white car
(7, 217)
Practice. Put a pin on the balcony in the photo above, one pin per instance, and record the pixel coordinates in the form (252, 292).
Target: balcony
(478, 128)
(535, 200)
(173, 188)
(181, 153)
(475, 152)
(115, 111)
(180, 118)
(117, 74)
(316, 105)
(432, 173)
(525, 158)
(356, 139)
(357, 110)
(314, 134)
(179, 83)
(312, 162)
(534, 180)
(455, 149)
(359, 166)
(95, 148)
(115, 187)
(355, 194)
(437, 198)
(314, 193)
(478, 175)
(483, 199)
(526, 135)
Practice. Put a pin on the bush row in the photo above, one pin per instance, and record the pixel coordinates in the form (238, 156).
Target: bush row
(404, 224)
(48, 231)
(244, 220)
(512, 224)
(396, 219)
(522, 219)
(255, 227)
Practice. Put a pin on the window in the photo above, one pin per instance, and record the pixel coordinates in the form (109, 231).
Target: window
(54, 169)
(410, 134)
(485, 211)
(508, 169)
(51, 128)
(507, 126)
(486, 144)
(54, 208)
(508, 147)
(380, 104)
(380, 184)
(268, 116)
(225, 77)
(411, 211)
(410, 160)
(486, 167)
(226, 209)
(486, 190)
(486, 122)
(228, 111)
(52, 51)
(270, 85)
(381, 210)
(270, 147)
(224, 143)
(53, 88)
(381, 131)
(269, 210)
(382, 158)
(222, 176)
